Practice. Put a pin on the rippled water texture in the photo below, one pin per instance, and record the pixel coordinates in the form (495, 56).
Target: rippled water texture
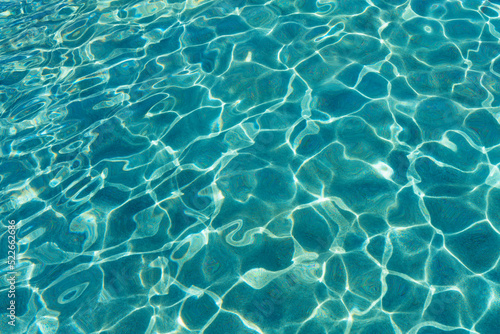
(251, 166)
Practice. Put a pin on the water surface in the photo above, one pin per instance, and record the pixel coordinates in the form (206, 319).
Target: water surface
(252, 166)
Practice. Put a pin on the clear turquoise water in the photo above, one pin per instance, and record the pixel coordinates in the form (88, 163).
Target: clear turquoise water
(251, 166)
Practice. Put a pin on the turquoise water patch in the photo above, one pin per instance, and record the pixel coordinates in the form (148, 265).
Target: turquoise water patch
(250, 166)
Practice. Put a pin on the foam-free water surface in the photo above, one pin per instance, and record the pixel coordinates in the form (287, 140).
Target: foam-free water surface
(248, 166)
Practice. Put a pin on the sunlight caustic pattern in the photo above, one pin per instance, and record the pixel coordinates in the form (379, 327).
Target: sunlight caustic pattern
(251, 166)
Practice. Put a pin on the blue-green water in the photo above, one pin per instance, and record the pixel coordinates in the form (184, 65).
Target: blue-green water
(251, 166)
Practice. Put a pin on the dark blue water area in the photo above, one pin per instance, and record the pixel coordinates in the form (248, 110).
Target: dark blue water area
(250, 166)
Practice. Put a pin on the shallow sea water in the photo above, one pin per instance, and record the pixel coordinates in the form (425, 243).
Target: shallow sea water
(249, 166)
